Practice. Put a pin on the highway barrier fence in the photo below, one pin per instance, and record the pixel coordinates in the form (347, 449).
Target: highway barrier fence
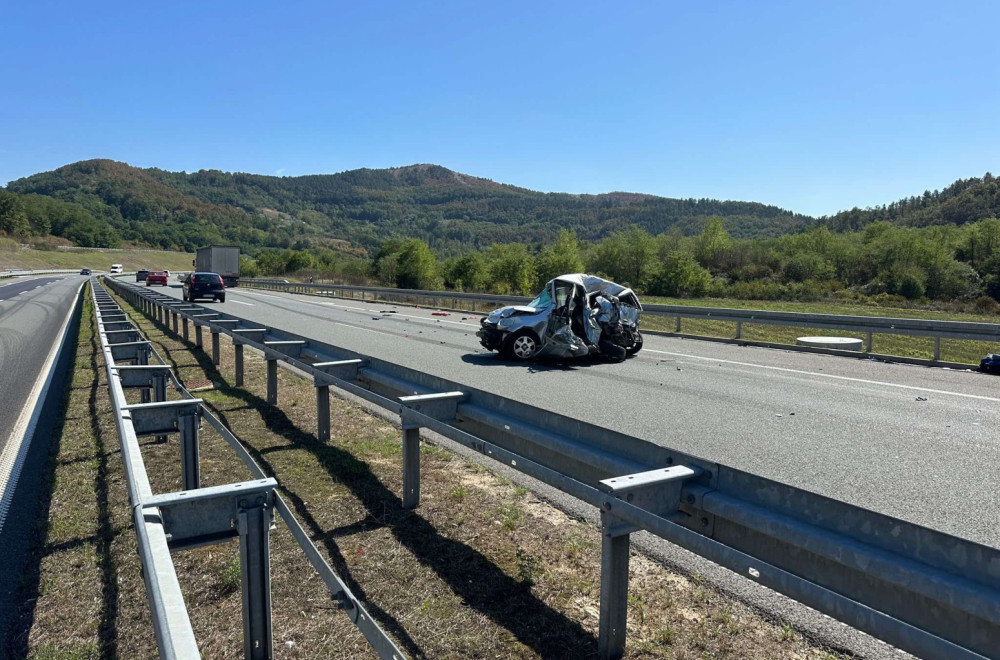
(198, 516)
(929, 593)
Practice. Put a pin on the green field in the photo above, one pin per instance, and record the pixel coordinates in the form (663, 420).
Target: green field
(30, 259)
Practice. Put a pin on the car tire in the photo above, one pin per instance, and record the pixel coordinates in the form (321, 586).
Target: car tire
(221, 299)
(637, 346)
(522, 345)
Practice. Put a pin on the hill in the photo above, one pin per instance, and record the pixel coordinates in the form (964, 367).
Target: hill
(966, 200)
(453, 212)
(96, 259)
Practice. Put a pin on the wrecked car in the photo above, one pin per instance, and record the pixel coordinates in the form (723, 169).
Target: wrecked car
(573, 316)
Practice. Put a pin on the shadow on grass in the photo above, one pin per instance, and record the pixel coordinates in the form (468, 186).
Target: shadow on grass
(481, 584)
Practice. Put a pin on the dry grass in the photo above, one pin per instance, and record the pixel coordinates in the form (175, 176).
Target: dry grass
(482, 569)
(30, 259)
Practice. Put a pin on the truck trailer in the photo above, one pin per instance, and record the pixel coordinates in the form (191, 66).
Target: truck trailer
(224, 260)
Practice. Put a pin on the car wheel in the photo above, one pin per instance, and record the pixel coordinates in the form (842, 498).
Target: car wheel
(221, 299)
(637, 346)
(522, 345)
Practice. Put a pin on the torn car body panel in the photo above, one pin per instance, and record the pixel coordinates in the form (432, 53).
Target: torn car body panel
(573, 316)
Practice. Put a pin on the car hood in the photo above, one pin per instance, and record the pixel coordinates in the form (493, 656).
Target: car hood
(512, 310)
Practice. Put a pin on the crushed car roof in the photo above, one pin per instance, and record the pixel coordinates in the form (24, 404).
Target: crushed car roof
(594, 284)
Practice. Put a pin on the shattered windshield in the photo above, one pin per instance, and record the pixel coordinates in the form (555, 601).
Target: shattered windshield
(543, 299)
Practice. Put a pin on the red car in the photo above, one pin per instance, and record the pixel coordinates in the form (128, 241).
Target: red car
(156, 277)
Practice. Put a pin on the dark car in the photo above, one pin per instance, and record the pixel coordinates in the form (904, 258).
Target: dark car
(204, 285)
(85, 271)
(141, 275)
(990, 364)
(156, 277)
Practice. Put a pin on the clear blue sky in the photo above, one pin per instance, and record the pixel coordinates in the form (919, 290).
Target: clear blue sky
(814, 106)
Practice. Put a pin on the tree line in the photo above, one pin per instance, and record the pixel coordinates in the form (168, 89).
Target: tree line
(883, 263)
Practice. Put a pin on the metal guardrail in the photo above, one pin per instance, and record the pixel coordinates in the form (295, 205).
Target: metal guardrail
(866, 325)
(5, 274)
(199, 515)
(926, 592)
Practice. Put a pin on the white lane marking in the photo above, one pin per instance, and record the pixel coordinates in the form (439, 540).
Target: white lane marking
(16, 451)
(239, 302)
(830, 376)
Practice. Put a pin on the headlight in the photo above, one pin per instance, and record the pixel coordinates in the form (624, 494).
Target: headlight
(503, 324)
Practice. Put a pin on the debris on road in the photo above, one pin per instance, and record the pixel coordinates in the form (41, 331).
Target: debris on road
(440, 314)
(920, 398)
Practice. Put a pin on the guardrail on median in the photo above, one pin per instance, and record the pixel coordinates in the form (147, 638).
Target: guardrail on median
(199, 515)
(865, 325)
(926, 592)
(5, 274)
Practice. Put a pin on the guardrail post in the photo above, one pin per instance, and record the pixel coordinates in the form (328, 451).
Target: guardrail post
(190, 462)
(197, 336)
(215, 346)
(322, 412)
(159, 394)
(272, 381)
(238, 349)
(937, 349)
(255, 567)
(677, 328)
(868, 346)
(184, 325)
(175, 315)
(411, 466)
(614, 589)
(739, 329)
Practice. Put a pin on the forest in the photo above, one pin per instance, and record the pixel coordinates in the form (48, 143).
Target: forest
(425, 226)
(883, 264)
(354, 211)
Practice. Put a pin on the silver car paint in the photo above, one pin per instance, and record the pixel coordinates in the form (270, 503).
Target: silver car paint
(561, 341)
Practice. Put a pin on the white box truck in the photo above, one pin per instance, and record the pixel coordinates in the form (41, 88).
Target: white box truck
(219, 259)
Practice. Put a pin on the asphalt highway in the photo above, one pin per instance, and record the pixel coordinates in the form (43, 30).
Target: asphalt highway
(917, 443)
(31, 313)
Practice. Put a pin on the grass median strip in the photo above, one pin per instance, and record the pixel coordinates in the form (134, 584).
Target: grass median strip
(483, 569)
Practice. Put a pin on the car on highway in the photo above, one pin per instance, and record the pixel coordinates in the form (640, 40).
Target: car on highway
(85, 271)
(156, 277)
(141, 274)
(990, 364)
(573, 316)
(204, 285)
(117, 269)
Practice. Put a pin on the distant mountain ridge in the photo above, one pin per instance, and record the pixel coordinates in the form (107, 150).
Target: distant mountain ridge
(354, 211)
(453, 212)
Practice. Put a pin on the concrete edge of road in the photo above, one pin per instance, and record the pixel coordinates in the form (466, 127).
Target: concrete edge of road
(718, 340)
(16, 451)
